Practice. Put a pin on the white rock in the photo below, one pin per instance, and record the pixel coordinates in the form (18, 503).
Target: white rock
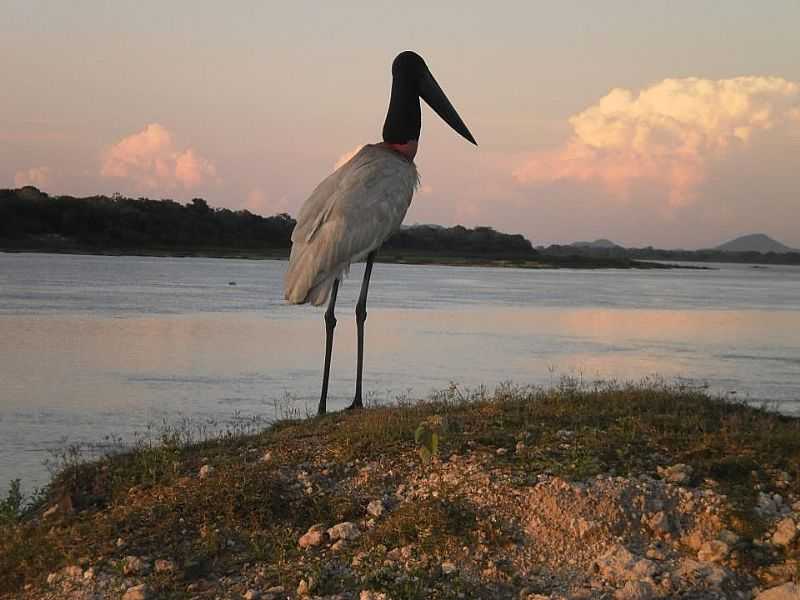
(251, 595)
(448, 567)
(73, 571)
(679, 473)
(137, 592)
(375, 508)
(134, 565)
(205, 471)
(267, 457)
(370, 595)
(785, 533)
(344, 531)
(313, 537)
(303, 589)
(619, 564)
(164, 566)
(787, 591)
(659, 523)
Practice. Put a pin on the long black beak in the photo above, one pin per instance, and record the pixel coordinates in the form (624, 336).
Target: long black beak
(430, 91)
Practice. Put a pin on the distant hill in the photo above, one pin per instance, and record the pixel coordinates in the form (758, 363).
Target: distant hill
(755, 242)
(601, 243)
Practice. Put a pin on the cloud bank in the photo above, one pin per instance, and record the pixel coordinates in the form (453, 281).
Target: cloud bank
(36, 176)
(151, 160)
(667, 136)
(347, 156)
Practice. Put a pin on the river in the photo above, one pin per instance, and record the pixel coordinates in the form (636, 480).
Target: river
(94, 348)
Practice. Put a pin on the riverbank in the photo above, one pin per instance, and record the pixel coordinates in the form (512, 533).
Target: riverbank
(389, 256)
(620, 491)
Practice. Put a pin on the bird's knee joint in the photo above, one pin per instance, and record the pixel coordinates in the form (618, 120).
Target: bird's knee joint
(361, 313)
(330, 320)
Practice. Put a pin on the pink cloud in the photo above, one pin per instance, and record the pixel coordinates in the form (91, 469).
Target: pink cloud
(35, 176)
(259, 203)
(151, 160)
(347, 156)
(668, 135)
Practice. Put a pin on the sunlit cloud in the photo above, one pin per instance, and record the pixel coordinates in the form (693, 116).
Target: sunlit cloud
(150, 159)
(36, 176)
(346, 156)
(667, 135)
(259, 203)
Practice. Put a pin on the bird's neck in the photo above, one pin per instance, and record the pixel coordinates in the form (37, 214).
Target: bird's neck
(409, 149)
(403, 119)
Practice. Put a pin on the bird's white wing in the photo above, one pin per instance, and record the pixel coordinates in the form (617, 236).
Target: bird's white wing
(350, 214)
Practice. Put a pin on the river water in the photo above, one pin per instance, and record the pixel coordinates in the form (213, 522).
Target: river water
(97, 346)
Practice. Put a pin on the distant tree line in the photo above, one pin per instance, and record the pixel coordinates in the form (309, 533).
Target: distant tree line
(460, 241)
(32, 219)
(650, 253)
(28, 215)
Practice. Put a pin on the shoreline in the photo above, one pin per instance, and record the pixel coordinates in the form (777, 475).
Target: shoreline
(388, 257)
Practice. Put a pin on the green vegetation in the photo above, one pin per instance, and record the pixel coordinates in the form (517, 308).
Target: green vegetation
(11, 506)
(251, 508)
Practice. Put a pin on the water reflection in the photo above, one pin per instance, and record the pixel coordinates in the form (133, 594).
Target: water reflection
(87, 350)
(192, 362)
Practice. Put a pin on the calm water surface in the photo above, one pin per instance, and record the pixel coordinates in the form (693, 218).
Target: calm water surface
(92, 346)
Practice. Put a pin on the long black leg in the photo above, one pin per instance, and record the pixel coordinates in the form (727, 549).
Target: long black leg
(330, 324)
(361, 316)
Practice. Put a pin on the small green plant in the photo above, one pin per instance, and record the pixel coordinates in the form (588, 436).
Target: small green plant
(426, 437)
(11, 506)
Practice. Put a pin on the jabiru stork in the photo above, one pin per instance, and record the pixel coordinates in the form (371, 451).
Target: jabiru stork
(361, 204)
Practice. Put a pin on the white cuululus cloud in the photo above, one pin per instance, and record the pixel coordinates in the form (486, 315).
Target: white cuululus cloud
(347, 156)
(35, 176)
(668, 134)
(151, 160)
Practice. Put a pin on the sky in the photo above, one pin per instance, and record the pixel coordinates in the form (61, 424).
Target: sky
(674, 124)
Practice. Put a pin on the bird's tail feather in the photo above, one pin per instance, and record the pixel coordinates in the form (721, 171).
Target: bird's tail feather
(302, 282)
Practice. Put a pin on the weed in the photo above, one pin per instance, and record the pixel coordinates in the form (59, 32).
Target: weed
(11, 506)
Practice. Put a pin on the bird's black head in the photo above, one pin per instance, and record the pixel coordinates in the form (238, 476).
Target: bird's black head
(412, 80)
(409, 64)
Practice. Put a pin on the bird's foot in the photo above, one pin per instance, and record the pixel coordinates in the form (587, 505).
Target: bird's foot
(355, 405)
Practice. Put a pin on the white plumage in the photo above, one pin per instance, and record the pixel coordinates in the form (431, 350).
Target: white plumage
(350, 214)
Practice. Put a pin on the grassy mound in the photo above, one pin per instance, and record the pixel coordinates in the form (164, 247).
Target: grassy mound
(239, 503)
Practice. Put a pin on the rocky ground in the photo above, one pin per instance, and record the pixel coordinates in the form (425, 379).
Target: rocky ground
(527, 495)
